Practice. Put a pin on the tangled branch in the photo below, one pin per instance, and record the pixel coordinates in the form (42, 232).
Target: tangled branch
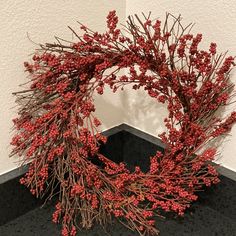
(56, 129)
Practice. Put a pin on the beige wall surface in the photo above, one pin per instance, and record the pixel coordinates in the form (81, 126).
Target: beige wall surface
(42, 20)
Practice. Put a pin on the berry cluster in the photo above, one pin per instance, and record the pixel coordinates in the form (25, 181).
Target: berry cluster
(58, 132)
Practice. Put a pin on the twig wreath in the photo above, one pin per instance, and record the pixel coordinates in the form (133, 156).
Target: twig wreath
(57, 130)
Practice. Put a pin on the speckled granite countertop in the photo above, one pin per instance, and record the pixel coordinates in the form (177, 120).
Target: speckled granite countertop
(213, 215)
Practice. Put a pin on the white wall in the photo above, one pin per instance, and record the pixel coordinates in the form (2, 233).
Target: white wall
(217, 21)
(43, 20)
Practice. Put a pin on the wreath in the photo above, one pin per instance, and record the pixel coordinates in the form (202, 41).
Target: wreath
(57, 132)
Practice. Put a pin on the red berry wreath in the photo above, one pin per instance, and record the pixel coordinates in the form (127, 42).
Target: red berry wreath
(57, 131)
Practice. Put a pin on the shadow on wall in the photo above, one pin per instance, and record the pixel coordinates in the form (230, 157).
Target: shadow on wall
(109, 109)
(143, 112)
(134, 107)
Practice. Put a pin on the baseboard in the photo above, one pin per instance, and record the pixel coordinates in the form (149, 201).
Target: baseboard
(149, 140)
(13, 173)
